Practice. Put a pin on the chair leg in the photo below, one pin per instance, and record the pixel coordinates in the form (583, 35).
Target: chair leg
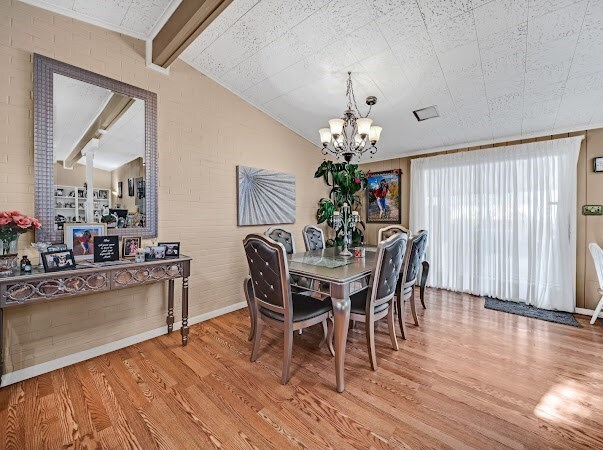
(597, 311)
(287, 355)
(325, 332)
(391, 324)
(401, 310)
(256, 337)
(423, 282)
(413, 307)
(370, 341)
(331, 332)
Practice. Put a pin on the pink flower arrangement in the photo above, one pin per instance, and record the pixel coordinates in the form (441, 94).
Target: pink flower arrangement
(14, 222)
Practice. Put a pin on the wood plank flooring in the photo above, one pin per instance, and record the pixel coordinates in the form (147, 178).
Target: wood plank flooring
(466, 378)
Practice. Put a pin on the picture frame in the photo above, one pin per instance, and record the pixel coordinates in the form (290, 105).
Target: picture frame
(384, 197)
(172, 249)
(592, 210)
(130, 187)
(154, 253)
(129, 246)
(79, 236)
(598, 164)
(120, 189)
(58, 260)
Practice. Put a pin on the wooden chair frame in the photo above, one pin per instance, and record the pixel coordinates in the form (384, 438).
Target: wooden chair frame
(397, 228)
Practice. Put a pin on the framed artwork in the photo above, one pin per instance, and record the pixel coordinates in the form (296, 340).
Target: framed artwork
(120, 189)
(598, 164)
(264, 197)
(57, 261)
(154, 253)
(383, 197)
(592, 210)
(172, 249)
(129, 246)
(79, 237)
(131, 187)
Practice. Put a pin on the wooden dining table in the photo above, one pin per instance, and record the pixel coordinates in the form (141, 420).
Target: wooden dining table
(338, 277)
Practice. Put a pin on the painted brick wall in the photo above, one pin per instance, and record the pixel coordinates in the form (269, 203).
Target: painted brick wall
(204, 132)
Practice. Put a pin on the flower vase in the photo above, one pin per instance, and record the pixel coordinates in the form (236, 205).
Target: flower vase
(9, 246)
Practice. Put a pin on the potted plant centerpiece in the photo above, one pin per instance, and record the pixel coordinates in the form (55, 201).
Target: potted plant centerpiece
(12, 225)
(346, 182)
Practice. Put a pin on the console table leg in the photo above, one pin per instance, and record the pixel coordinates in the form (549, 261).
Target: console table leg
(170, 316)
(1, 344)
(184, 329)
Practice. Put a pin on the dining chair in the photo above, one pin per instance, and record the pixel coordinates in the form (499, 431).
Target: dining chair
(249, 296)
(283, 236)
(386, 232)
(597, 254)
(377, 300)
(424, 271)
(314, 238)
(274, 302)
(408, 278)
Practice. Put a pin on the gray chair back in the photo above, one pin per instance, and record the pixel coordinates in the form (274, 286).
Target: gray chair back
(414, 256)
(269, 273)
(389, 231)
(314, 238)
(283, 236)
(388, 266)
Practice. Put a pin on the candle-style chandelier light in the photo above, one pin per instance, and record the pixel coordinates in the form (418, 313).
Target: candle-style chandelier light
(353, 134)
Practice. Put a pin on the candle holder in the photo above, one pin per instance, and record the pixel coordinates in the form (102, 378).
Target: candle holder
(348, 220)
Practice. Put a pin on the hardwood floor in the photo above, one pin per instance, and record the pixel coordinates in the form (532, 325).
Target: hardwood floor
(468, 377)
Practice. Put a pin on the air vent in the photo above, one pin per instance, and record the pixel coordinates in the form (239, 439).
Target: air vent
(426, 113)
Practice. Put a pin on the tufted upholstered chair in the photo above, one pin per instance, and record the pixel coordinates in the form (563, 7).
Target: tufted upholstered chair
(281, 235)
(273, 301)
(424, 271)
(415, 251)
(377, 301)
(314, 238)
(386, 232)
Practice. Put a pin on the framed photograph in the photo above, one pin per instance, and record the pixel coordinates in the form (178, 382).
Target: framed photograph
(154, 253)
(120, 189)
(56, 261)
(131, 187)
(172, 249)
(79, 237)
(598, 164)
(592, 210)
(383, 197)
(129, 245)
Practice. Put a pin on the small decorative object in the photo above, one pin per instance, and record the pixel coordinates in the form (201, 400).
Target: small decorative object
(140, 255)
(346, 219)
(154, 252)
(106, 248)
(56, 261)
(41, 247)
(57, 248)
(130, 246)
(265, 197)
(131, 187)
(359, 252)
(141, 188)
(383, 197)
(79, 236)
(592, 210)
(172, 249)
(58, 192)
(12, 225)
(598, 164)
(25, 264)
(120, 189)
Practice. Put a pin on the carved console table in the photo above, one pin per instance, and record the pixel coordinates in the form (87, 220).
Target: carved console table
(20, 289)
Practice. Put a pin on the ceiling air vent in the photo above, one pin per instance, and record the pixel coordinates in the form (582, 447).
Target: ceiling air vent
(426, 113)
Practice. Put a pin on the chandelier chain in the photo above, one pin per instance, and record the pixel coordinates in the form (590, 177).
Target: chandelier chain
(349, 92)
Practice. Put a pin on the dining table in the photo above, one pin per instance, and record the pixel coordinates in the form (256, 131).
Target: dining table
(327, 272)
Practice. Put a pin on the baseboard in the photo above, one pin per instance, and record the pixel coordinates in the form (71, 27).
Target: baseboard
(587, 312)
(49, 366)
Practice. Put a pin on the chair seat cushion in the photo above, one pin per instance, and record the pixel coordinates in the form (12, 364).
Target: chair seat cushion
(304, 308)
(359, 303)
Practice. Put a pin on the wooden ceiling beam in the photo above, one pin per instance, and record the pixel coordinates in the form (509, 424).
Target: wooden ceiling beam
(184, 26)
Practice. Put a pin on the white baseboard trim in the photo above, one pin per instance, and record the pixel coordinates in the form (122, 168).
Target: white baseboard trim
(587, 312)
(49, 366)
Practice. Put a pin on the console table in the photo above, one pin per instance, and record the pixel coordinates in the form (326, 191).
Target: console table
(20, 289)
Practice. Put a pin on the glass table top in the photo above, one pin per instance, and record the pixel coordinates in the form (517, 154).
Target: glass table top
(330, 262)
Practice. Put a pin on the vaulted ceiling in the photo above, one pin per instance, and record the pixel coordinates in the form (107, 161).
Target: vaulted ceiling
(495, 69)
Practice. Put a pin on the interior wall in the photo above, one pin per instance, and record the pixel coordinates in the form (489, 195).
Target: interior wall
(134, 169)
(590, 191)
(204, 132)
(77, 176)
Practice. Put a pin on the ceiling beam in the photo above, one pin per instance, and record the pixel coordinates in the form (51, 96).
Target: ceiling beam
(183, 27)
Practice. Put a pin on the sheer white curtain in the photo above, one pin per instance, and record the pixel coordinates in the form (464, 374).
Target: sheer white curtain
(501, 221)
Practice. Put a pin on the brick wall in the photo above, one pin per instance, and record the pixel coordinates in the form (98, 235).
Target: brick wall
(204, 132)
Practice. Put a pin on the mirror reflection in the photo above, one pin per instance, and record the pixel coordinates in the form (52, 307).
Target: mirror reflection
(98, 155)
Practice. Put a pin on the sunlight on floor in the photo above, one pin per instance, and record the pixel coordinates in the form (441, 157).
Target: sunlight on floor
(565, 402)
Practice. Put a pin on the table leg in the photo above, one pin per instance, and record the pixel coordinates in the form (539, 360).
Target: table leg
(340, 297)
(184, 329)
(1, 344)
(170, 316)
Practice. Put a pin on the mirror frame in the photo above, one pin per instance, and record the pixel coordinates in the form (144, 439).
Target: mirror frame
(44, 70)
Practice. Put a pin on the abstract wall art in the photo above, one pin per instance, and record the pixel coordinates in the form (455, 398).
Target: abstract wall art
(265, 197)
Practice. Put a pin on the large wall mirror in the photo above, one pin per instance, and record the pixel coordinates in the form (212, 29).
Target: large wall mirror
(95, 152)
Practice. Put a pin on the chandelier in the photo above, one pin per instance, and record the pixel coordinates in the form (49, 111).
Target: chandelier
(353, 134)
